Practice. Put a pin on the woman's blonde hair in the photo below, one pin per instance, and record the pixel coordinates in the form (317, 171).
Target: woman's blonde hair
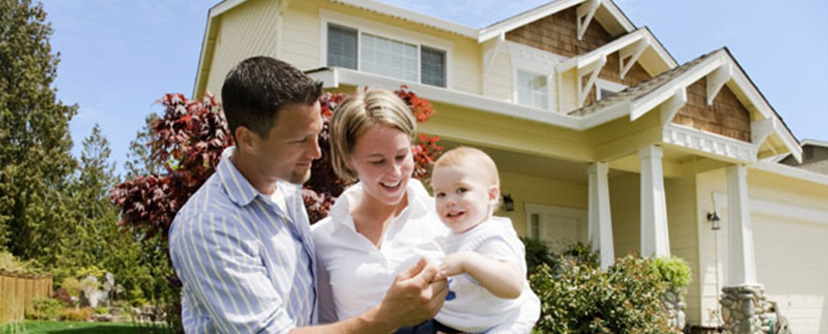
(359, 113)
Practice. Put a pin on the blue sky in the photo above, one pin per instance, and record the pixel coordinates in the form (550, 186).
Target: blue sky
(119, 56)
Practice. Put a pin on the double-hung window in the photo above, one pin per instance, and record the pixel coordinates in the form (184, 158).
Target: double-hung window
(367, 52)
(532, 89)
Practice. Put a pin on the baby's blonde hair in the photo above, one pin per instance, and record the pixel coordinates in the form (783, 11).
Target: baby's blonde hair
(472, 158)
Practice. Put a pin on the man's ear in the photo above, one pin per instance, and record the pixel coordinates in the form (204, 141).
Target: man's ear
(246, 139)
(494, 194)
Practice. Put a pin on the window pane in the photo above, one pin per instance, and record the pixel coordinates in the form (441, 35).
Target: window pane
(433, 67)
(532, 89)
(389, 57)
(342, 47)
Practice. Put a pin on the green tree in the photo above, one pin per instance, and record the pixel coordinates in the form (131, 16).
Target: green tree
(35, 159)
(139, 158)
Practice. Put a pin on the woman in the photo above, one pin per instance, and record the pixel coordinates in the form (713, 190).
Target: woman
(386, 222)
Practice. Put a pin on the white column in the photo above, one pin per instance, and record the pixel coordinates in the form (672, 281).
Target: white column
(600, 217)
(655, 240)
(741, 261)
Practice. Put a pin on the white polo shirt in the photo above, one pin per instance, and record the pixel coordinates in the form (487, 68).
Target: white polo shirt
(353, 273)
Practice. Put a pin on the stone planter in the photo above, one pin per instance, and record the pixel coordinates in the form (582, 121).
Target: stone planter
(746, 310)
(672, 302)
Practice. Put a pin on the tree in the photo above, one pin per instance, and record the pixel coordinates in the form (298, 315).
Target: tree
(139, 159)
(35, 159)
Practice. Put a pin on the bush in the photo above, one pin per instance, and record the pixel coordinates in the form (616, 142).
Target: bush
(672, 270)
(44, 309)
(537, 253)
(76, 314)
(71, 285)
(577, 297)
(63, 295)
(101, 310)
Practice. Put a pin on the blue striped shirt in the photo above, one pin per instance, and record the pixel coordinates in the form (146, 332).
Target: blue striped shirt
(246, 265)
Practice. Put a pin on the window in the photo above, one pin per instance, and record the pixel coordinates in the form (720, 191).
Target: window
(357, 50)
(532, 89)
(433, 67)
(342, 51)
(535, 234)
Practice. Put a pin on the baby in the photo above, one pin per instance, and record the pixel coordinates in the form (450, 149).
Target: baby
(485, 259)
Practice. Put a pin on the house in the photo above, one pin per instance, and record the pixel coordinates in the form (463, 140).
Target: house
(814, 156)
(599, 133)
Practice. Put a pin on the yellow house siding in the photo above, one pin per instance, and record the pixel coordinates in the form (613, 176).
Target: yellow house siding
(625, 193)
(498, 82)
(527, 189)
(681, 217)
(791, 253)
(475, 127)
(301, 39)
(244, 31)
(621, 137)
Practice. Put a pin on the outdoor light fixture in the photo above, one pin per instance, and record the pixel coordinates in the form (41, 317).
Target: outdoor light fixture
(508, 203)
(713, 218)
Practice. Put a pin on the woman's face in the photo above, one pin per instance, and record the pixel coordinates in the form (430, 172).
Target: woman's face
(383, 163)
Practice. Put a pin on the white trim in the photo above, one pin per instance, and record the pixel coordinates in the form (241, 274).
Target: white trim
(792, 172)
(671, 107)
(529, 59)
(585, 13)
(427, 20)
(491, 52)
(780, 210)
(516, 93)
(530, 208)
(343, 76)
(709, 143)
(600, 214)
(224, 6)
(544, 11)
(631, 53)
(814, 142)
(655, 236)
(385, 31)
(716, 80)
(607, 85)
(592, 70)
(652, 99)
(741, 259)
(761, 129)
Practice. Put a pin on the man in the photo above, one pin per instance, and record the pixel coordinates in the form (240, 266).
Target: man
(242, 246)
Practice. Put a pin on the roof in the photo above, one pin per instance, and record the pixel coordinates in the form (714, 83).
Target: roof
(635, 92)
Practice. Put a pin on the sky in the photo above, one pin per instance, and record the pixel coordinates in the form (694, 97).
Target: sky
(119, 56)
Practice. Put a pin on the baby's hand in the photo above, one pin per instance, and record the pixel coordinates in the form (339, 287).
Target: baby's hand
(453, 264)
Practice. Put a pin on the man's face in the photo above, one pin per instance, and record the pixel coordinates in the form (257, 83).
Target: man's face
(291, 144)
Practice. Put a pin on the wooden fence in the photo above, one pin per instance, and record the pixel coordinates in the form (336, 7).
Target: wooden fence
(17, 292)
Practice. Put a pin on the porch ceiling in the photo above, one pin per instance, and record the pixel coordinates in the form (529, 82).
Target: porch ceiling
(532, 165)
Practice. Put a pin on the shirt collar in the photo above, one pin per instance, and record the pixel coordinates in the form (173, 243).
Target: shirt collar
(419, 202)
(238, 188)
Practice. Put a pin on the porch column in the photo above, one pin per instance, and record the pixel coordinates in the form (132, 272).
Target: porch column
(742, 265)
(600, 218)
(655, 240)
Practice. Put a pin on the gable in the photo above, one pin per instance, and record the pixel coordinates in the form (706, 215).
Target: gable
(726, 116)
(558, 33)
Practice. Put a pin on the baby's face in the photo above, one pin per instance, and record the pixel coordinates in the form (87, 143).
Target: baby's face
(462, 196)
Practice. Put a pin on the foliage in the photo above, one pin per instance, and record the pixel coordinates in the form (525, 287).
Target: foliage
(101, 310)
(76, 314)
(63, 296)
(577, 297)
(672, 270)
(71, 285)
(537, 253)
(47, 327)
(35, 159)
(9, 262)
(44, 309)
(321, 191)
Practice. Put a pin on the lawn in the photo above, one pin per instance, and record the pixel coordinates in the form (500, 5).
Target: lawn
(68, 327)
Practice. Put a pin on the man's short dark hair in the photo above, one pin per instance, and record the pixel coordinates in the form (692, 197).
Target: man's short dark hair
(258, 87)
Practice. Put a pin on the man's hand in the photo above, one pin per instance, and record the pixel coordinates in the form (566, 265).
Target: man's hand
(415, 296)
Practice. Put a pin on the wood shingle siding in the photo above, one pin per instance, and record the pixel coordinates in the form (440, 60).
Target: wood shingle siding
(726, 116)
(558, 33)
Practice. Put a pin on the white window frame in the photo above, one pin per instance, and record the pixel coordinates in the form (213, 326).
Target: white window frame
(361, 25)
(529, 59)
(607, 85)
(517, 93)
(541, 209)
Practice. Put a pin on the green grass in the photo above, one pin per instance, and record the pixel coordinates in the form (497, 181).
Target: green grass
(68, 327)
